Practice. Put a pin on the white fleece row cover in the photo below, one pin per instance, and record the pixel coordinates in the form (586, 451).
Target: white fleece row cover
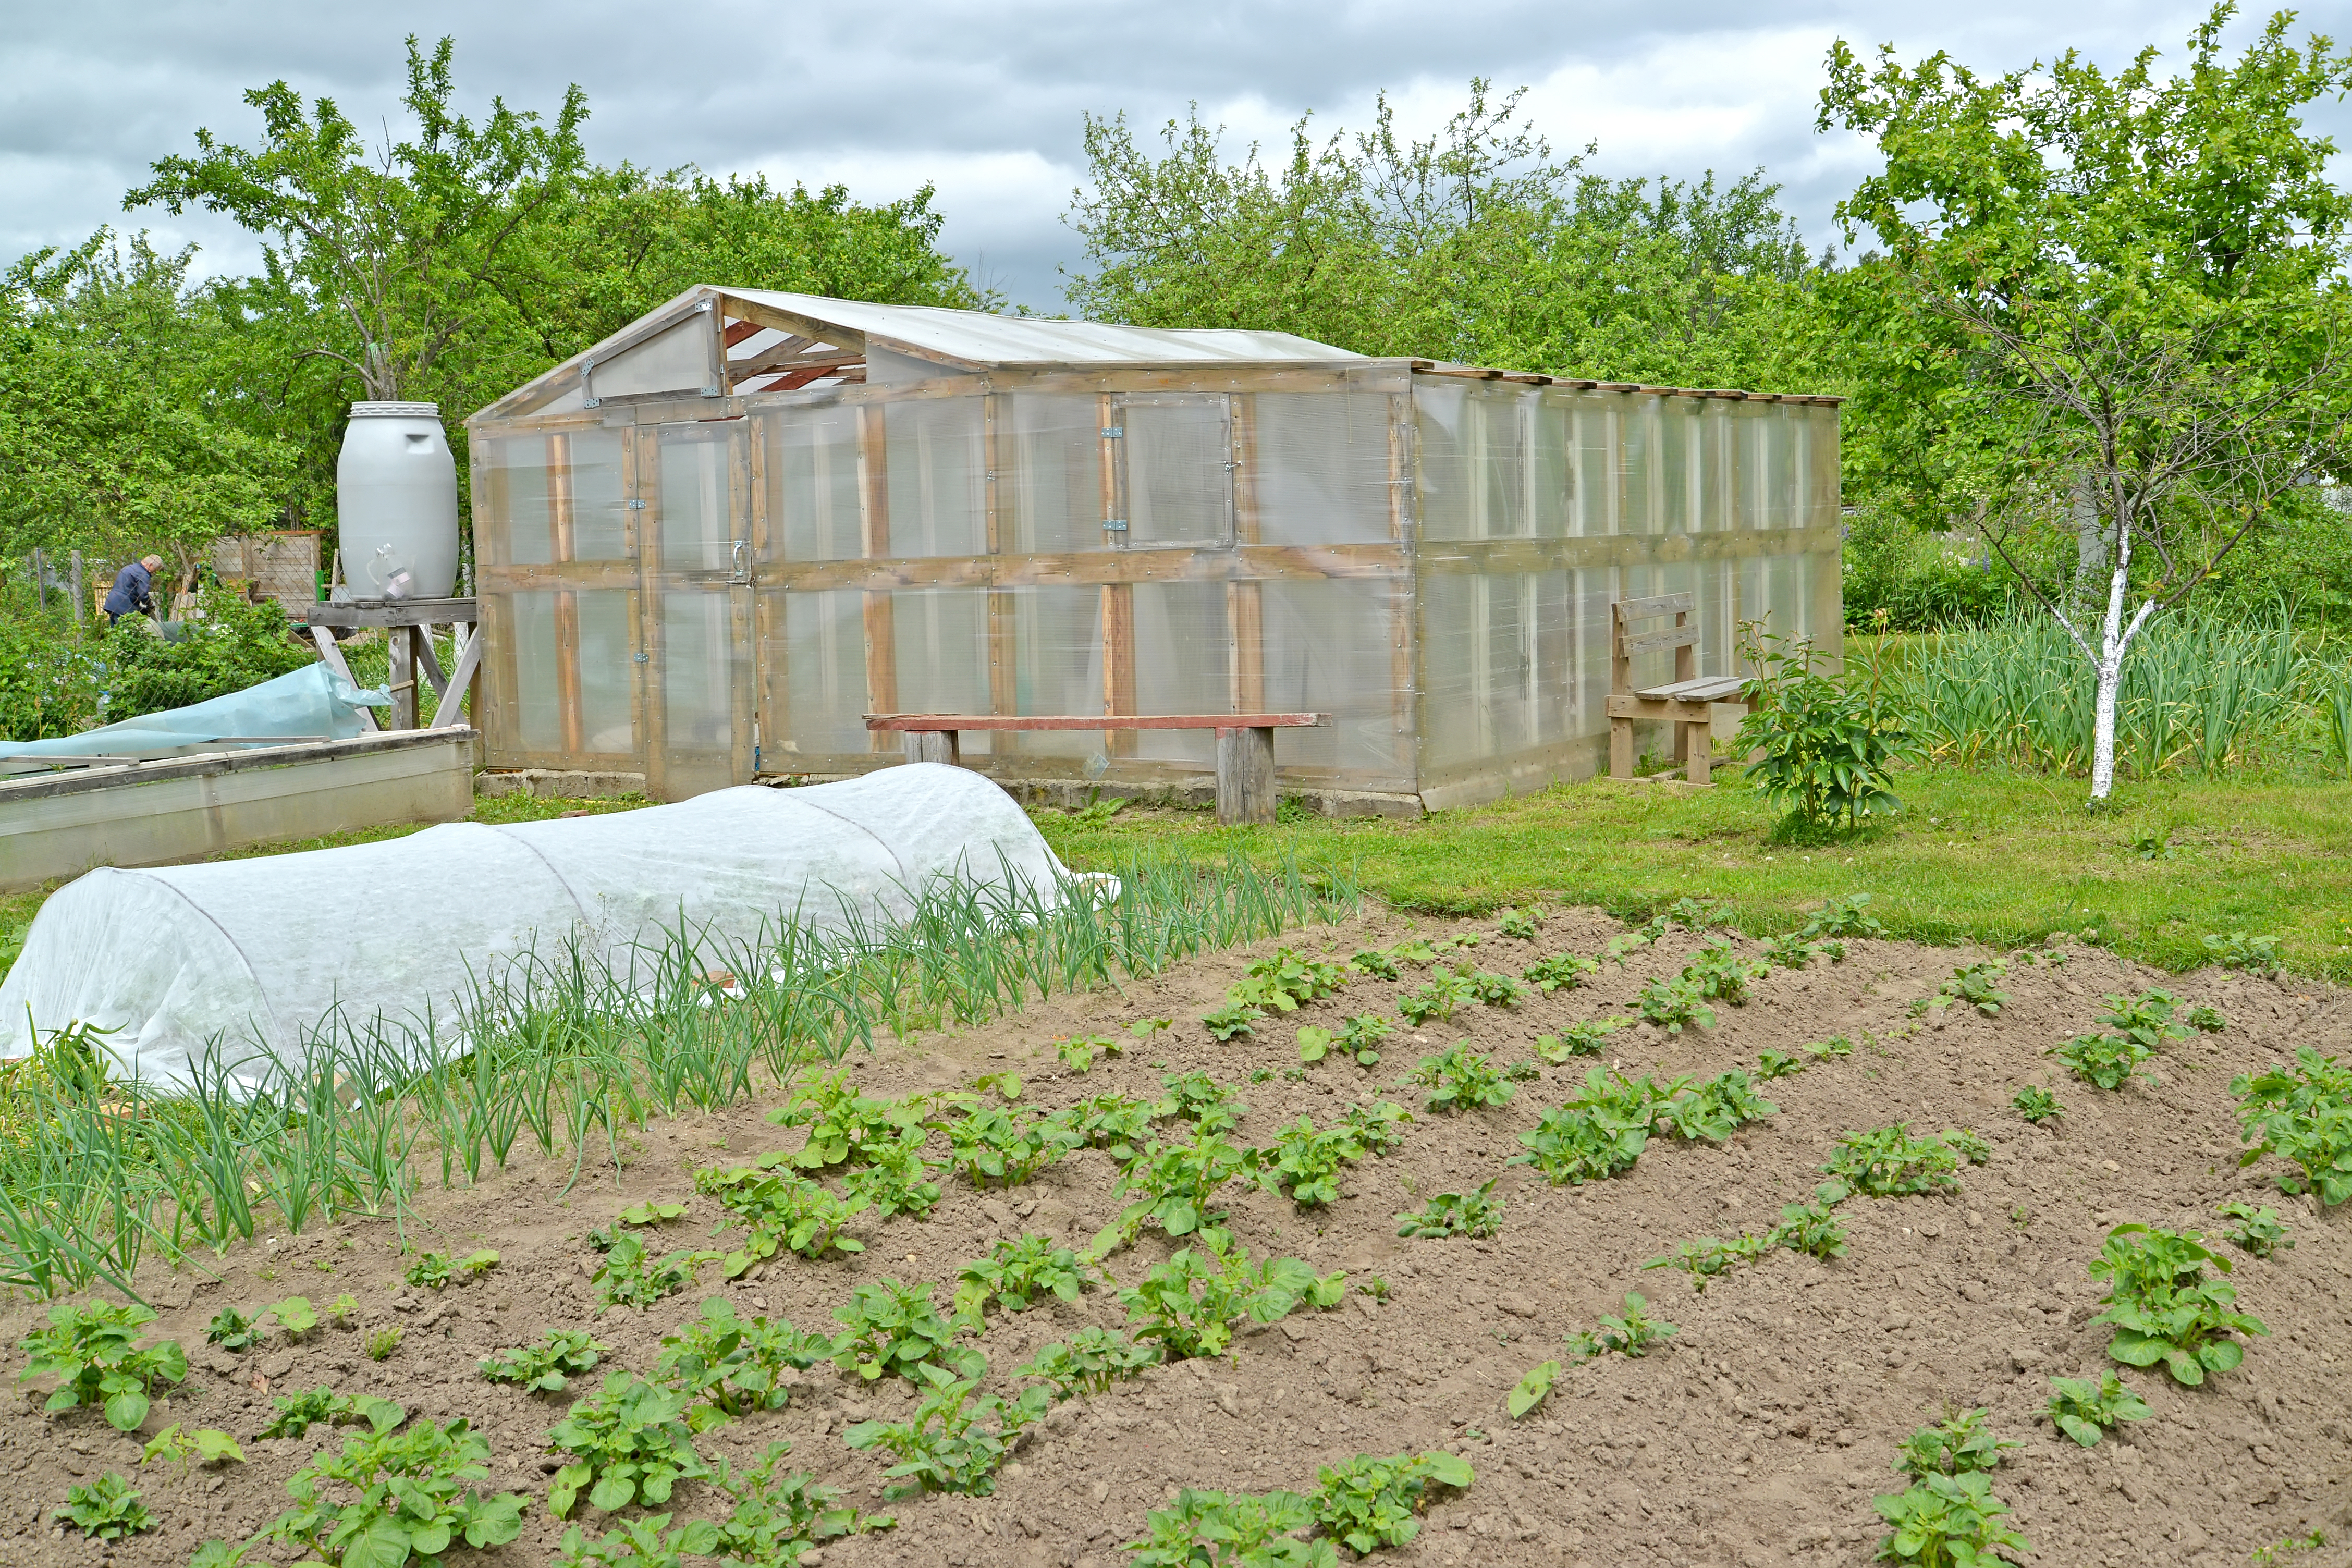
(260, 952)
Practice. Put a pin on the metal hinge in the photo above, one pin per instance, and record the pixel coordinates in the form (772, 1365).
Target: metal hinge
(1115, 525)
(638, 657)
(636, 506)
(1113, 432)
(710, 392)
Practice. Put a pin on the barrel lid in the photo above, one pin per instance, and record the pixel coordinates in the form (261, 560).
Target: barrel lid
(395, 411)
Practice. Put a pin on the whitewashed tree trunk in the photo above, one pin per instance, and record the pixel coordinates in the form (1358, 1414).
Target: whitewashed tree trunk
(2114, 638)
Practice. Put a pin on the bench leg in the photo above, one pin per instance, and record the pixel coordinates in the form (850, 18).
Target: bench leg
(1620, 748)
(934, 746)
(1698, 745)
(1246, 775)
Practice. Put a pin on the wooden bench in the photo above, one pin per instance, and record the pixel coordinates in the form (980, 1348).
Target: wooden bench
(1244, 743)
(1687, 701)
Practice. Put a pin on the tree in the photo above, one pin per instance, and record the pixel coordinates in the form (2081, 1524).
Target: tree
(117, 408)
(1476, 243)
(2128, 318)
(402, 251)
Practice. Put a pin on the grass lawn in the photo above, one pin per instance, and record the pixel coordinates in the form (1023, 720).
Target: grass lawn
(1995, 857)
(2000, 857)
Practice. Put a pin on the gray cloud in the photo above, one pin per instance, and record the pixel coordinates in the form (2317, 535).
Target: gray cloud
(985, 100)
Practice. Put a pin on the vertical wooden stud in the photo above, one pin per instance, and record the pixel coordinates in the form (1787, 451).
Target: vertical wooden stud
(743, 708)
(404, 676)
(641, 458)
(873, 539)
(1119, 664)
(771, 714)
(562, 526)
(1245, 624)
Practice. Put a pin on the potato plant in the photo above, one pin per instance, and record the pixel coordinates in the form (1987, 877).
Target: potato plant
(1112, 1122)
(2253, 954)
(1574, 1143)
(105, 1509)
(731, 1367)
(777, 1211)
(1520, 925)
(1090, 1362)
(94, 1352)
(1359, 1038)
(842, 1122)
(2146, 1017)
(2082, 1408)
(1676, 1004)
(992, 1146)
(648, 1542)
(1173, 1186)
(895, 1179)
(1845, 917)
(1529, 1395)
(1887, 1162)
(1196, 1097)
(1771, 1064)
(293, 1415)
(2258, 1230)
(1562, 972)
(1477, 1215)
(778, 1519)
(235, 1332)
(1578, 1039)
(1711, 1112)
(1636, 1334)
(1947, 1520)
(2107, 1061)
(1436, 997)
(205, 1446)
(1286, 982)
(890, 1330)
(1376, 1126)
(1017, 1273)
(1721, 974)
(1203, 1527)
(1458, 1078)
(412, 1493)
(1971, 985)
(627, 1442)
(435, 1270)
(2036, 1104)
(547, 1365)
(631, 1276)
(1368, 1503)
(2163, 1308)
(2304, 1117)
(1958, 1446)
(1189, 1304)
(1304, 1165)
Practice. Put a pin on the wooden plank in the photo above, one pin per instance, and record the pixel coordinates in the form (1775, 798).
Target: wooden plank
(401, 642)
(1661, 605)
(1245, 627)
(1245, 783)
(740, 332)
(791, 321)
(1119, 663)
(743, 702)
(430, 662)
(1107, 471)
(395, 613)
(334, 657)
(881, 724)
(1707, 688)
(561, 512)
(881, 655)
(452, 710)
(577, 575)
(1266, 562)
(992, 536)
(641, 480)
(1636, 644)
(1003, 663)
(933, 746)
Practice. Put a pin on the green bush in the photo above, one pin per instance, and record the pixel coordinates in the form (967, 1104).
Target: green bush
(236, 645)
(1827, 742)
(1898, 579)
(49, 685)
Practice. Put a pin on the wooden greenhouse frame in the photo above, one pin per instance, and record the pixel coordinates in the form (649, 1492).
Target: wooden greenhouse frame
(709, 547)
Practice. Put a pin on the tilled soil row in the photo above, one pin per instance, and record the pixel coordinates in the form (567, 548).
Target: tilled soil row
(1758, 1434)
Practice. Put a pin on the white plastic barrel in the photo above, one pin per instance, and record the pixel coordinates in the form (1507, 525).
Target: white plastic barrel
(396, 502)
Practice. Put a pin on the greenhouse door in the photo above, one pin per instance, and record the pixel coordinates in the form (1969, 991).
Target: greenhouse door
(1175, 468)
(695, 543)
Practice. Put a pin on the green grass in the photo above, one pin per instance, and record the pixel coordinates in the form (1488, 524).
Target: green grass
(1998, 857)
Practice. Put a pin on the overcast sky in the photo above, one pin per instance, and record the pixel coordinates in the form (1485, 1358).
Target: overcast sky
(985, 100)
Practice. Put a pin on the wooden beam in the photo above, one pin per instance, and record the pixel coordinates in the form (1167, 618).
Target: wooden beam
(874, 542)
(793, 352)
(791, 321)
(453, 696)
(738, 332)
(1119, 663)
(905, 723)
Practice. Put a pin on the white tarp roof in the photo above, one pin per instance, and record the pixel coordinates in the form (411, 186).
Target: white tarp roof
(980, 339)
(255, 953)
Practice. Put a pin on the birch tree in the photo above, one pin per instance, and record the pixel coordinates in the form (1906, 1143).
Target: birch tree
(2127, 303)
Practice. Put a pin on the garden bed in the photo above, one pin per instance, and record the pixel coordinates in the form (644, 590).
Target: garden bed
(1760, 1432)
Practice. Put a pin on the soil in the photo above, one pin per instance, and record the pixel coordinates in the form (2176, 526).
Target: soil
(1757, 1434)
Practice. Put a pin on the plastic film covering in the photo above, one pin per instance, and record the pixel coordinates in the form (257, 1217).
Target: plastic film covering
(173, 958)
(1729, 500)
(1432, 562)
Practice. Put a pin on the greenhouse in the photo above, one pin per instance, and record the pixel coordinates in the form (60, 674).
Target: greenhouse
(710, 548)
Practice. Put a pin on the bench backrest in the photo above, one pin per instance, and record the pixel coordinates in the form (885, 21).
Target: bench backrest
(1625, 644)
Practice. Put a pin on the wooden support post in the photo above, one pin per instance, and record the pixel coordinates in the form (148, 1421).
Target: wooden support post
(934, 746)
(1119, 664)
(468, 674)
(429, 661)
(1699, 750)
(1246, 775)
(1620, 748)
(873, 535)
(403, 677)
(334, 657)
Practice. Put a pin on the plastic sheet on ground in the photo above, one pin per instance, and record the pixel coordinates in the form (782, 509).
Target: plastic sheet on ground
(255, 953)
(314, 702)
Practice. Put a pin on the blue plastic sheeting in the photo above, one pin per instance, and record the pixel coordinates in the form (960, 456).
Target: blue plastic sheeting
(313, 702)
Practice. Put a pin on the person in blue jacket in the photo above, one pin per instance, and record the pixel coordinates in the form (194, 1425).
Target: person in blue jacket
(133, 592)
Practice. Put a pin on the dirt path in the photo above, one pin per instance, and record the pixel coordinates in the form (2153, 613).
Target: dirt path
(1757, 1434)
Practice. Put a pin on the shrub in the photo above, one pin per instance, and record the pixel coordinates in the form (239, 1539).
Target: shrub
(234, 645)
(1828, 742)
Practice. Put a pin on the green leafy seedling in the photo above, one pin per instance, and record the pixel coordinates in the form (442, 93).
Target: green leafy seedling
(2258, 1230)
(733, 1368)
(1562, 972)
(1958, 1446)
(2162, 1307)
(1770, 1064)
(295, 1315)
(648, 1542)
(1887, 1162)
(1530, 1393)
(2254, 954)
(1089, 1362)
(1232, 1021)
(943, 1447)
(1578, 1039)
(94, 1352)
(105, 1509)
(1478, 1215)
(1245, 1531)
(1359, 1039)
(2036, 1104)
(235, 1332)
(1017, 1273)
(1459, 1079)
(2109, 1061)
(344, 1310)
(1676, 1004)
(2207, 1020)
(413, 1496)
(547, 1365)
(890, 1330)
(1948, 1519)
(296, 1413)
(1079, 1054)
(2083, 1408)
(646, 1214)
(1520, 925)
(176, 1445)
(382, 1343)
(1635, 1335)
(1188, 1305)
